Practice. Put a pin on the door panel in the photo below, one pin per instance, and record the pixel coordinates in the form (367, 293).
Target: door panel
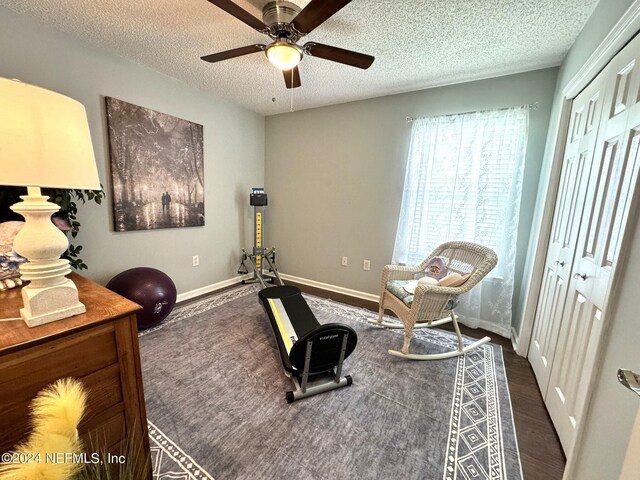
(575, 345)
(621, 97)
(552, 294)
(587, 108)
(629, 177)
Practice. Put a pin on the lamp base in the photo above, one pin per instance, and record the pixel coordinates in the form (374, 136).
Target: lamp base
(50, 296)
(48, 304)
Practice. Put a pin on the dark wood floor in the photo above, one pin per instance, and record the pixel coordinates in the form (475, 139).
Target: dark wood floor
(540, 450)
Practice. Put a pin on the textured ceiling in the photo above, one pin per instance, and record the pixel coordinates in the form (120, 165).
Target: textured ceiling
(417, 43)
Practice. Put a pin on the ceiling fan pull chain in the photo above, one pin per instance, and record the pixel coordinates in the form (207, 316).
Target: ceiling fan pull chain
(275, 88)
(291, 93)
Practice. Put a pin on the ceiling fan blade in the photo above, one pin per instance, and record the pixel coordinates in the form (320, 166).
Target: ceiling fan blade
(315, 13)
(292, 78)
(241, 14)
(236, 52)
(340, 55)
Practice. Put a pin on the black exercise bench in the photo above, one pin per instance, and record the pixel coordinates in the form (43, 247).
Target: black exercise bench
(306, 347)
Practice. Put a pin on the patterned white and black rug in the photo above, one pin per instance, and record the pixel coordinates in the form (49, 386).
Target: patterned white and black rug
(214, 389)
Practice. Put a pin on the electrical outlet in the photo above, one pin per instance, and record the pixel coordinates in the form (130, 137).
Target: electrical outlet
(345, 261)
(196, 260)
(366, 265)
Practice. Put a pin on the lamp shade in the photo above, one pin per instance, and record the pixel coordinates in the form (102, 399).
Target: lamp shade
(44, 139)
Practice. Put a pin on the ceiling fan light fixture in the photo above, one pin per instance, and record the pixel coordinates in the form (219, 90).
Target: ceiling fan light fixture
(283, 55)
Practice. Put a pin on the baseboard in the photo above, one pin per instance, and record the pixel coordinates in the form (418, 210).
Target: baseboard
(182, 297)
(332, 288)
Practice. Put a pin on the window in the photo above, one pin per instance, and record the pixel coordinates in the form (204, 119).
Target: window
(464, 182)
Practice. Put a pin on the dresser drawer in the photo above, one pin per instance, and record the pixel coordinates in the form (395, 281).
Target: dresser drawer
(108, 434)
(89, 356)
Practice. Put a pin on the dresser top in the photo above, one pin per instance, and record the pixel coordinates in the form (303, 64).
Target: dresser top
(102, 305)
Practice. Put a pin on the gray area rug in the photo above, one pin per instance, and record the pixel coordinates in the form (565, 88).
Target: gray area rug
(214, 388)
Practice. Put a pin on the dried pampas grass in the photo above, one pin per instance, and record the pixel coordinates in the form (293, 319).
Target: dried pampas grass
(55, 414)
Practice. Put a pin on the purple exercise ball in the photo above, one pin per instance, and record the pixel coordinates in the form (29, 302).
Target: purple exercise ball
(152, 289)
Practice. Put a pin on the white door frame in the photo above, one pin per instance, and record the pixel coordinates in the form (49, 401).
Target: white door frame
(624, 30)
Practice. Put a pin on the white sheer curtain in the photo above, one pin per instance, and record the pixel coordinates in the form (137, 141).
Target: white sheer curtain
(464, 182)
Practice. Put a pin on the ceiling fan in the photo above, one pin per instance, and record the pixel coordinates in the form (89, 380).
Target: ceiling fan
(286, 23)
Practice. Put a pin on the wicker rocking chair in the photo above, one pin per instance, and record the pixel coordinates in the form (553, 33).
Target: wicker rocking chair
(432, 305)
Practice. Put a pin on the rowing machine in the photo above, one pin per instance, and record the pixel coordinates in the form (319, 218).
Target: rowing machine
(254, 260)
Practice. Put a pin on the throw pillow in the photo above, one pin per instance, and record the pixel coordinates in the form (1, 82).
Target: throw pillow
(454, 279)
(436, 268)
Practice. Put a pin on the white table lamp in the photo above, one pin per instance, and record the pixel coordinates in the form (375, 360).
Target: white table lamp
(44, 142)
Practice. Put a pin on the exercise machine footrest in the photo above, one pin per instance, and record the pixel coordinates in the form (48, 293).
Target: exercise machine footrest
(298, 394)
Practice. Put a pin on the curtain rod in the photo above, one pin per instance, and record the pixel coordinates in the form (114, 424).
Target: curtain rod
(532, 106)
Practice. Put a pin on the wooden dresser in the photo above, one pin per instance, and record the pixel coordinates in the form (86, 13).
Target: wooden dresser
(99, 347)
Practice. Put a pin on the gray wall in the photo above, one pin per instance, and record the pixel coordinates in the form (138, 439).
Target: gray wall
(613, 409)
(233, 148)
(335, 175)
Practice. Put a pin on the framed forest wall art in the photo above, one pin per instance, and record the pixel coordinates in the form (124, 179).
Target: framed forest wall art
(157, 168)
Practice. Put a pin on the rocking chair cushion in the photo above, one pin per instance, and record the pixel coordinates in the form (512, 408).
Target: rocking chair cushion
(396, 288)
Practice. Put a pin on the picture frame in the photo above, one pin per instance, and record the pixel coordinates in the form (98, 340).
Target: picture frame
(157, 168)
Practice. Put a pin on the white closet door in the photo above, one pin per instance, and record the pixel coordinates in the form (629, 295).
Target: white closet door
(611, 185)
(574, 178)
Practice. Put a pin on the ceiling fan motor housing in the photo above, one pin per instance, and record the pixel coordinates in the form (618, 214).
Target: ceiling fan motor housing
(278, 15)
